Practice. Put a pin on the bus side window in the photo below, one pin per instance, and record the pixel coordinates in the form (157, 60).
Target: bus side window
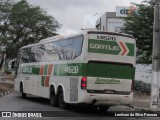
(78, 45)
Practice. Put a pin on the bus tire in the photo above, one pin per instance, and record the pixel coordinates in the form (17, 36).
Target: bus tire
(103, 108)
(24, 95)
(53, 97)
(61, 101)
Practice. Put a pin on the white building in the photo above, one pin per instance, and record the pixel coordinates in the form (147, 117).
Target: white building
(110, 22)
(114, 21)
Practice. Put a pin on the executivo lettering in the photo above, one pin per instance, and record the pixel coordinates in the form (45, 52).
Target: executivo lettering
(107, 81)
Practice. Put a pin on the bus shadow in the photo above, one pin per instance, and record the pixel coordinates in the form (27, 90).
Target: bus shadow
(35, 99)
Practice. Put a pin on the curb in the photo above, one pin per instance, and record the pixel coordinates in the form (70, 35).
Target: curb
(5, 93)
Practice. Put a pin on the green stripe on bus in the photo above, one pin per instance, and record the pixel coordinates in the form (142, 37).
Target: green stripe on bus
(42, 80)
(45, 69)
(131, 49)
(73, 69)
(55, 69)
(94, 69)
(35, 70)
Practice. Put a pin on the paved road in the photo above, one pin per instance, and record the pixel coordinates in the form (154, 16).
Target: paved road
(14, 102)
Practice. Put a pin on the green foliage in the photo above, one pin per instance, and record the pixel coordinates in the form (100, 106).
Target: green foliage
(24, 24)
(140, 25)
(5, 10)
(142, 87)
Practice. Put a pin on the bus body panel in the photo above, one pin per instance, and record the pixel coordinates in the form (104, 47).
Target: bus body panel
(121, 84)
(110, 59)
(105, 99)
(115, 49)
(105, 89)
(36, 85)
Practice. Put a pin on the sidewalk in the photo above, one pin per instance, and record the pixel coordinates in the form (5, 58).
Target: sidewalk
(6, 86)
(144, 104)
(7, 81)
(6, 78)
(142, 101)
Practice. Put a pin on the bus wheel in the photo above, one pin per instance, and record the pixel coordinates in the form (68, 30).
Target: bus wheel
(21, 90)
(103, 108)
(53, 97)
(61, 101)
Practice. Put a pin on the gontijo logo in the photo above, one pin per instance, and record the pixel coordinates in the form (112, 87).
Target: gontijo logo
(111, 47)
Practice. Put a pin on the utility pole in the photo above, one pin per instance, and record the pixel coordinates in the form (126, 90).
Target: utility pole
(156, 57)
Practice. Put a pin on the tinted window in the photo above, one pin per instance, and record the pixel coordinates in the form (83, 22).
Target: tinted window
(110, 70)
(66, 49)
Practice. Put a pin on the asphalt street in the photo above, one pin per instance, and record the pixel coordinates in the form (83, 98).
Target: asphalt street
(14, 102)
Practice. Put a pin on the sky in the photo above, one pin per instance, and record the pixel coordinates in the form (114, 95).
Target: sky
(75, 15)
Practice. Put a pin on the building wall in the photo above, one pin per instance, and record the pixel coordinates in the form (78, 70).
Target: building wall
(98, 24)
(103, 22)
(115, 24)
(109, 22)
(112, 20)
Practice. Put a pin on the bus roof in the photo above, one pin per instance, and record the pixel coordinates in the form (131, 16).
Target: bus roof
(110, 33)
(50, 39)
(60, 37)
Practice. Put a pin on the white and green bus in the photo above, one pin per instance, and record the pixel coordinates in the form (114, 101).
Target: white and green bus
(93, 67)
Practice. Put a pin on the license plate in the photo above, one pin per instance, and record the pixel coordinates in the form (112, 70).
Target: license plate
(109, 92)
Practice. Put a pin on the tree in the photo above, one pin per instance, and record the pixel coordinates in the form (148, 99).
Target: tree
(5, 10)
(140, 25)
(26, 24)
